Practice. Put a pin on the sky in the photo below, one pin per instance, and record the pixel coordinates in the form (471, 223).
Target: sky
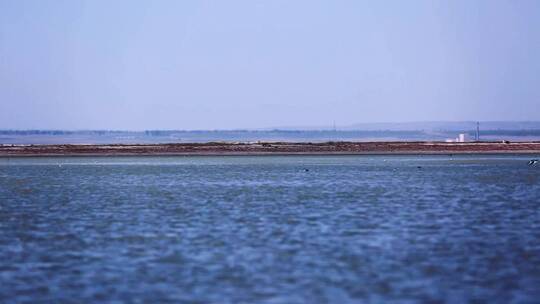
(136, 65)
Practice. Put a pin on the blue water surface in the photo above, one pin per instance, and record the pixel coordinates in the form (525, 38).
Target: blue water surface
(270, 229)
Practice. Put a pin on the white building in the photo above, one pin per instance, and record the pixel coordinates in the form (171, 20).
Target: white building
(462, 137)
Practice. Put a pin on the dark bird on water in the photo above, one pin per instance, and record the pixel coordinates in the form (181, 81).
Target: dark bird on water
(533, 162)
(306, 170)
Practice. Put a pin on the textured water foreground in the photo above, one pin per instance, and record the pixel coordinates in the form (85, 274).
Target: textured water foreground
(224, 148)
(294, 229)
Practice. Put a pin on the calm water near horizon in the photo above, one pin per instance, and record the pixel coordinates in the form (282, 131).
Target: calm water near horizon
(270, 229)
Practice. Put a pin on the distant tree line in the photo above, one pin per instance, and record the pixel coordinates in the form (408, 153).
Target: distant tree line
(61, 132)
(285, 132)
(276, 132)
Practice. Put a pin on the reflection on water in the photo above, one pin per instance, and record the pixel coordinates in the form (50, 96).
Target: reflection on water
(263, 229)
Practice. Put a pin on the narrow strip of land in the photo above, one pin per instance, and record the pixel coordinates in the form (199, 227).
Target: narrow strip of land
(264, 148)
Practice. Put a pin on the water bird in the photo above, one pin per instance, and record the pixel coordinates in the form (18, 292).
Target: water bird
(533, 162)
(306, 170)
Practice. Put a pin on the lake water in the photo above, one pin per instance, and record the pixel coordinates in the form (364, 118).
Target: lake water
(287, 229)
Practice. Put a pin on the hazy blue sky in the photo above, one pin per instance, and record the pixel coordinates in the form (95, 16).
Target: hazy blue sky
(247, 64)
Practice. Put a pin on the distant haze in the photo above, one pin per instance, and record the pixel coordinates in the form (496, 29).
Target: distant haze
(136, 65)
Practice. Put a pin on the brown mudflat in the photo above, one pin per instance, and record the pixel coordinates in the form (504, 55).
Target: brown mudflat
(271, 148)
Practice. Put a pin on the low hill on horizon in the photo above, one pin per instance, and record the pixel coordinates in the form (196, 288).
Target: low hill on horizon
(426, 126)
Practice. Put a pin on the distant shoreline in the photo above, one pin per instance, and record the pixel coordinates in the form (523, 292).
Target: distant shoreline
(421, 132)
(271, 148)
